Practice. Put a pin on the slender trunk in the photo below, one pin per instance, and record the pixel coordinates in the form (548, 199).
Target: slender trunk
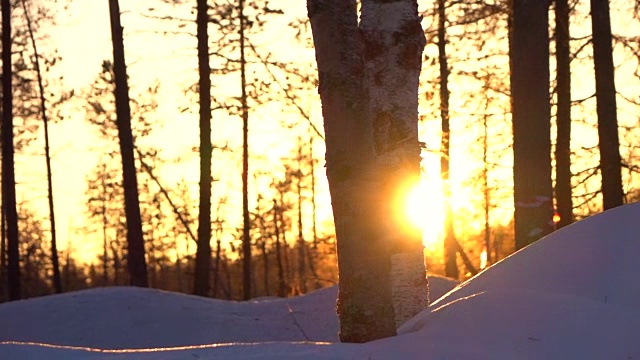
(563, 119)
(8, 173)
(57, 283)
(105, 241)
(216, 273)
(246, 238)
(301, 245)
(265, 266)
(610, 161)
(529, 58)
(487, 194)
(313, 193)
(203, 253)
(135, 243)
(450, 264)
(164, 192)
(281, 281)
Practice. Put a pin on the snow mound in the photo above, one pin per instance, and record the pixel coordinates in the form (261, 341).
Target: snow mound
(596, 258)
(571, 295)
(128, 317)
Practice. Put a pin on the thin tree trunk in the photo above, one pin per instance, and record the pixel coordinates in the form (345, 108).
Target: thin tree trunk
(313, 194)
(450, 263)
(8, 173)
(57, 283)
(246, 238)
(203, 253)
(281, 281)
(265, 266)
(301, 245)
(529, 58)
(135, 243)
(105, 241)
(487, 194)
(610, 161)
(563, 119)
(216, 273)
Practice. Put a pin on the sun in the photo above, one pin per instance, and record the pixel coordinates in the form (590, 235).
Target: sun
(423, 208)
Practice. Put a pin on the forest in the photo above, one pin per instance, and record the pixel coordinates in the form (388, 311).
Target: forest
(180, 145)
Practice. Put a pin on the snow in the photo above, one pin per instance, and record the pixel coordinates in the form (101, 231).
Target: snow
(571, 295)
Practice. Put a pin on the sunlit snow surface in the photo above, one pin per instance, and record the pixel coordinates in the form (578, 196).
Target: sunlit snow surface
(573, 295)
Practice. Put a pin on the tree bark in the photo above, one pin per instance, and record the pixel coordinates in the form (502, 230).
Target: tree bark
(450, 263)
(8, 173)
(529, 57)
(135, 243)
(203, 253)
(610, 161)
(368, 87)
(563, 119)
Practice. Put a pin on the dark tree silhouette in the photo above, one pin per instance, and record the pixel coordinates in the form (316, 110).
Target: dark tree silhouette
(8, 171)
(563, 118)
(246, 236)
(135, 242)
(610, 162)
(529, 57)
(57, 282)
(450, 264)
(203, 254)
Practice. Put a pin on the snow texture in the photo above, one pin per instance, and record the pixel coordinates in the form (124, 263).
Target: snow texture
(572, 295)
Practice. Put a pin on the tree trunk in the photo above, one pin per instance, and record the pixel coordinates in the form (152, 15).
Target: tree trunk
(203, 253)
(282, 292)
(57, 283)
(563, 119)
(8, 173)
(135, 243)
(450, 264)
(246, 238)
(486, 190)
(301, 243)
(529, 57)
(610, 162)
(369, 87)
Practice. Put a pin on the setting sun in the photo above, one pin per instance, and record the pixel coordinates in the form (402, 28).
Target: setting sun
(423, 208)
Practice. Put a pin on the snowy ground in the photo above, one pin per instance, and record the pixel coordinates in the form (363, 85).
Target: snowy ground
(572, 295)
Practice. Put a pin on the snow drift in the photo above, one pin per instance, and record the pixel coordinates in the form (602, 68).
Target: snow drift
(571, 295)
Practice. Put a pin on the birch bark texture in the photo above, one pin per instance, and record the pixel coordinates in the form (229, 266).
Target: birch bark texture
(369, 74)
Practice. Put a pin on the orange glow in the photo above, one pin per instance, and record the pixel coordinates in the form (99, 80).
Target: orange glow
(556, 218)
(423, 209)
(483, 258)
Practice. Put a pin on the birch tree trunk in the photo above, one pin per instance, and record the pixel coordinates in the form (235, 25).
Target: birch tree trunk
(369, 90)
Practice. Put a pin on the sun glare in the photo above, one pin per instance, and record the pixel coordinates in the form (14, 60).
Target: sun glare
(423, 209)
